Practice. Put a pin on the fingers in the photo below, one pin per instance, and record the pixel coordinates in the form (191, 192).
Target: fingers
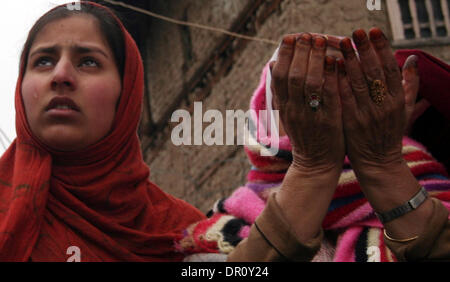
(314, 77)
(332, 40)
(376, 62)
(370, 64)
(348, 102)
(355, 74)
(281, 69)
(299, 67)
(331, 88)
(388, 62)
(299, 74)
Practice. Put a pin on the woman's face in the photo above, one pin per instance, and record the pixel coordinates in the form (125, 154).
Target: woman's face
(71, 85)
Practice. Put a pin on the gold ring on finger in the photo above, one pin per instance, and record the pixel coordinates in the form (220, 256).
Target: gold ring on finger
(377, 91)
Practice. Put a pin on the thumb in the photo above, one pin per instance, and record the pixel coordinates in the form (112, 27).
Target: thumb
(411, 80)
(410, 84)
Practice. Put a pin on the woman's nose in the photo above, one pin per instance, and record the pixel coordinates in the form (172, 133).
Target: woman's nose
(63, 76)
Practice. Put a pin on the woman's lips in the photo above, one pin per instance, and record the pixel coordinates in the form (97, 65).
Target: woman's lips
(62, 113)
(62, 107)
(62, 104)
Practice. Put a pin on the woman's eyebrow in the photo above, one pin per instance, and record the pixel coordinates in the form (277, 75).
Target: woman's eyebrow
(85, 49)
(76, 48)
(46, 50)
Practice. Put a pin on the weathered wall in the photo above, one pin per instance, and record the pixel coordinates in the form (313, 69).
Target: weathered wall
(184, 65)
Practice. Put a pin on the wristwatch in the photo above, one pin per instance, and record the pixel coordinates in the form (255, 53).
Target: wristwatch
(411, 205)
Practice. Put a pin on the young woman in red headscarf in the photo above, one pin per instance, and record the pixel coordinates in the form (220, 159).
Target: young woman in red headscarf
(74, 181)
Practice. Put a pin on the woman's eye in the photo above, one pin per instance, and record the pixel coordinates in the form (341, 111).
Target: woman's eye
(43, 62)
(89, 62)
(47, 61)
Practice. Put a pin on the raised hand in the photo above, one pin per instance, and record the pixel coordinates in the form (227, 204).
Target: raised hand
(373, 100)
(305, 90)
(376, 106)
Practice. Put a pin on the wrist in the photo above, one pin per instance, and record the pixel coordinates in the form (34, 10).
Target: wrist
(299, 179)
(317, 172)
(380, 172)
(308, 192)
(409, 206)
(317, 166)
(389, 186)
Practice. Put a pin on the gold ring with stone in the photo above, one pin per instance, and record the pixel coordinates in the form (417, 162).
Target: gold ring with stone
(377, 91)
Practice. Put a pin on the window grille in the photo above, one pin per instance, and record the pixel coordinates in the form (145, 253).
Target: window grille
(419, 22)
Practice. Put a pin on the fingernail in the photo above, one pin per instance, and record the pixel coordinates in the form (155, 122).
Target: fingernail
(288, 40)
(330, 63)
(341, 66)
(376, 34)
(346, 46)
(359, 36)
(411, 63)
(319, 42)
(305, 38)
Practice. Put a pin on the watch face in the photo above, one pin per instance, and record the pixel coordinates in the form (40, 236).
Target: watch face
(417, 200)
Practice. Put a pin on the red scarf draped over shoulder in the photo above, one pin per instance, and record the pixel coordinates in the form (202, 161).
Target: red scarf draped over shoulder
(96, 203)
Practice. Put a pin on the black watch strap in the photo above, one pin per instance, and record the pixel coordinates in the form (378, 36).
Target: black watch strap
(412, 204)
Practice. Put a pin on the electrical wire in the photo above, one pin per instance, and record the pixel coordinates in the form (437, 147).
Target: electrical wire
(190, 24)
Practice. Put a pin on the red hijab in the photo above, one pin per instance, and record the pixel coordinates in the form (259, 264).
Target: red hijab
(98, 200)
